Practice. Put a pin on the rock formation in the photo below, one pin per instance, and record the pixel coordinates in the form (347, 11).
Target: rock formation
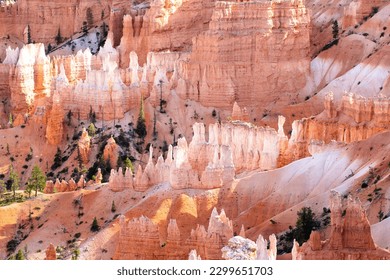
(45, 18)
(193, 256)
(356, 118)
(239, 248)
(51, 253)
(64, 186)
(350, 237)
(84, 146)
(143, 232)
(231, 148)
(235, 59)
(262, 252)
(54, 129)
(119, 181)
(110, 153)
(146, 26)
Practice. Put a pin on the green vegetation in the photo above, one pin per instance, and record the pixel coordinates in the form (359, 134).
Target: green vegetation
(141, 126)
(57, 159)
(113, 207)
(95, 225)
(305, 224)
(36, 182)
(127, 163)
(14, 180)
(75, 254)
(91, 130)
(58, 38)
(20, 255)
(335, 29)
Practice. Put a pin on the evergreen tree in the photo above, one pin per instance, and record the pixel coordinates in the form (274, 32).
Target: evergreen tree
(335, 29)
(141, 126)
(76, 254)
(92, 115)
(57, 159)
(95, 225)
(69, 117)
(305, 223)
(29, 35)
(37, 181)
(154, 127)
(113, 207)
(127, 163)
(84, 28)
(58, 38)
(91, 130)
(14, 178)
(49, 48)
(20, 255)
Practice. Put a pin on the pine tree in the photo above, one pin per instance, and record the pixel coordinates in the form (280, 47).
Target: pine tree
(14, 178)
(20, 255)
(127, 163)
(335, 29)
(69, 117)
(57, 159)
(58, 38)
(91, 130)
(29, 35)
(113, 207)
(305, 223)
(37, 181)
(141, 126)
(84, 28)
(154, 127)
(95, 225)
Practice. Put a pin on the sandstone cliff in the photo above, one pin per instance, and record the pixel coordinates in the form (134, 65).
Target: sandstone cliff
(235, 59)
(350, 237)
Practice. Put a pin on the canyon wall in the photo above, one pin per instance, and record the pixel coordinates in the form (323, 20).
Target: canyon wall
(45, 18)
(163, 26)
(355, 118)
(235, 60)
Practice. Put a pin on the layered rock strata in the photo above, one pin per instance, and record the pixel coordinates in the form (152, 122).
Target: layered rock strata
(235, 60)
(45, 18)
(356, 118)
(146, 26)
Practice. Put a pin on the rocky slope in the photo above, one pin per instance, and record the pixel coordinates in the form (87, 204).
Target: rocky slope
(252, 110)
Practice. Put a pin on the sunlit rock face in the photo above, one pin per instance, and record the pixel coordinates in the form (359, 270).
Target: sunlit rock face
(354, 118)
(45, 18)
(144, 232)
(235, 59)
(350, 237)
(161, 26)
